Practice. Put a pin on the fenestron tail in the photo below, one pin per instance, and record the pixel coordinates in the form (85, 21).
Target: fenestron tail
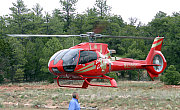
(155, 57)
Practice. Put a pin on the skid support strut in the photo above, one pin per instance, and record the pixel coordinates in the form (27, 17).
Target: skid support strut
(87, 81)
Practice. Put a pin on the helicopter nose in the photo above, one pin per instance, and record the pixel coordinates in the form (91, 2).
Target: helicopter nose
(57, 68)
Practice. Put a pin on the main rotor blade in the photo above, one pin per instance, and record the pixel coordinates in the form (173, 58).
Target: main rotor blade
(29, 35)
(130, 37)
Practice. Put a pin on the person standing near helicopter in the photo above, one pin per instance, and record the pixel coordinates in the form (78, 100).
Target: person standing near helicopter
(73, 104)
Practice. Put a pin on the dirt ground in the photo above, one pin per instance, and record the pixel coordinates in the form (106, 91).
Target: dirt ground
(129, 95)
(23, 86)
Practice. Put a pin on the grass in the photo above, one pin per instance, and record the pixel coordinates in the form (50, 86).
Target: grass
(129, 95)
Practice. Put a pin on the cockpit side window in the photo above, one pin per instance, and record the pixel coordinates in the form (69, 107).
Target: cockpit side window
(87, 56)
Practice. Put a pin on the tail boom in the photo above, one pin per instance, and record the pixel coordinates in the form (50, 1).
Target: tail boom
(155, 62)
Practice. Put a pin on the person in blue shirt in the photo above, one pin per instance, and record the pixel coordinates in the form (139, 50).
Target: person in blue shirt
(73, 104)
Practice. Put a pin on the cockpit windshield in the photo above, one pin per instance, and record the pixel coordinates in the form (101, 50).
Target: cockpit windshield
(71, 57)
(54, 56)
(59, 57)
(70, 60)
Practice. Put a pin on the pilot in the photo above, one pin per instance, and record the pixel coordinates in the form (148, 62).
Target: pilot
(74, 105)
(81, 60)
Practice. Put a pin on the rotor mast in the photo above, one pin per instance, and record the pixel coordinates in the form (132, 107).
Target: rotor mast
(91, 36)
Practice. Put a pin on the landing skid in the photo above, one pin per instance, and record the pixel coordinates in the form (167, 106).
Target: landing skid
(87, 81)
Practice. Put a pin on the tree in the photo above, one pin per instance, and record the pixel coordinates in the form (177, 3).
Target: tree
(18, 77)
(55, 25)
(19, 16)
(39, 45)
(30, 66)
(37, 9)
(47, 19)
(160, 15)
(117, 19)
(2, 25)
(136, 50)
(171, 77)
(18, 59)
(36, 23)
(91, 17)
(77, 24)
(68, 10)
(52, 46)
(114, 25)
(1, 78)
(159, 26)
(102, 8)
(5, 59)
(133, 21)
(175, 14)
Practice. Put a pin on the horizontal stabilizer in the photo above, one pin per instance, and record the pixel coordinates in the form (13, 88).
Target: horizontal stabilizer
(144, 65)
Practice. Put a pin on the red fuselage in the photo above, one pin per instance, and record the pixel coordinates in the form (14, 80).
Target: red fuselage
(87, 59)
(90, 60)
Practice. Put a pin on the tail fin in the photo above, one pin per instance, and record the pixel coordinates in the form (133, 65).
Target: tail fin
(156, 57)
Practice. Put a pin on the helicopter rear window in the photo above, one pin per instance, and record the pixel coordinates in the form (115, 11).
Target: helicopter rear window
(87, 56)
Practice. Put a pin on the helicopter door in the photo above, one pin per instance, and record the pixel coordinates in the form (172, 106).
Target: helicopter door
(87, 56)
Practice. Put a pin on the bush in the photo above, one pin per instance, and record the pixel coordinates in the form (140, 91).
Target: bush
(113, 75)
(18, 77)
(1, 105)
(171, 77)
(162, 78)
(50, 80)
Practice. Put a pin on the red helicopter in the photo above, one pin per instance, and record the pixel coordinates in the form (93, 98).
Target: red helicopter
(87, 61)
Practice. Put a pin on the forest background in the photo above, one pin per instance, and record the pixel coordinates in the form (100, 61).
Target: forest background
(26, 59)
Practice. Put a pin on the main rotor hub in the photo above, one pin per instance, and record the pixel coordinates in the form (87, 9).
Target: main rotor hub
(91, 36)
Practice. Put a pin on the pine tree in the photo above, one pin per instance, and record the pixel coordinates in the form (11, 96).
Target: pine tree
(68, 8)
(51, 47)
(19, 17)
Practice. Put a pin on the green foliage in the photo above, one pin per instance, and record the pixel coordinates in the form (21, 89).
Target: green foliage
(1, 78)
(26, 58)
(2, 25)
(37, 10)
(135, 53)
(68, 8)
(18, 77)
(56, 25)
(18, 58)
(162, 78)
(160, 15)
(5, 58)
(53, 45)
(20, 17)
(1, 105)
(171, 77)
(50, 80)
(113, 75)
(102, 7)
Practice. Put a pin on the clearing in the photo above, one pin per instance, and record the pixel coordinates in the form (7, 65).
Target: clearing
(129, 95)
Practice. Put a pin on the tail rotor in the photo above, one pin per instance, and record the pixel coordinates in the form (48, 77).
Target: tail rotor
(156, 58)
